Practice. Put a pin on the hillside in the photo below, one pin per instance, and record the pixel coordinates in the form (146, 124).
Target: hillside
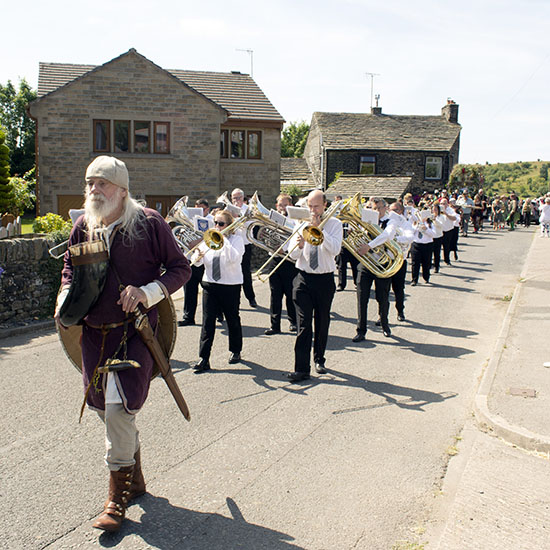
(527, 179)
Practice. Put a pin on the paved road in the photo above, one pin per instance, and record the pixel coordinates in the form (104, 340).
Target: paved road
(352, 460)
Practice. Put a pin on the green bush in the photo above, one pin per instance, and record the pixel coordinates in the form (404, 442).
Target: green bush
(51, 223)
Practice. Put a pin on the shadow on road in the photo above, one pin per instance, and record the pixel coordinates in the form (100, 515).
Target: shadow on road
(168, 527)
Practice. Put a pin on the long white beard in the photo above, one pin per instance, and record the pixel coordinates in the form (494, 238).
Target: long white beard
(98, 208)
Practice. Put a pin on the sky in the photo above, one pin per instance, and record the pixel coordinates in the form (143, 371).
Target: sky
(492, 57)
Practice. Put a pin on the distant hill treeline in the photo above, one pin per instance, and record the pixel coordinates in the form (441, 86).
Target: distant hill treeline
(526, 179)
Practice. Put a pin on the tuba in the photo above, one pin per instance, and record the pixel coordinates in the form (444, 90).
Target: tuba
(182, 226)
(386, 260)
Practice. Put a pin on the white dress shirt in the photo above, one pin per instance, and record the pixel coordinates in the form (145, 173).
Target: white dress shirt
(327, 251)
(438, 226)
(448, 223)
(424, 233)
(231, 254)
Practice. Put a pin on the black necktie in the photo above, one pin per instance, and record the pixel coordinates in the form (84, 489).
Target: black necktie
(314, 258)
(216, 268)
(383, 223)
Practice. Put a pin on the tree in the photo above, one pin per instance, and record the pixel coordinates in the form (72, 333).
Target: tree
(24, 193)
(544, 171)
(294, 139)
(6, 189)
(20, 128)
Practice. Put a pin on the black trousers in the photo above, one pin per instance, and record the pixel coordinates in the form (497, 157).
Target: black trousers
(437, 252)
(342, 260)
(398, 287)
(216, 298)
(446, 242)
(280, 284)
(454, 239)
(421, 256)
(382, 292)
(247, 276)
(191, 292)
(312, 296)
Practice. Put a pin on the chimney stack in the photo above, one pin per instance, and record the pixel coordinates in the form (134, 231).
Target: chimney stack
(450, 111)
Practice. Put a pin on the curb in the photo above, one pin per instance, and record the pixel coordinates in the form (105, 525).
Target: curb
(25, 329)
(512, 433)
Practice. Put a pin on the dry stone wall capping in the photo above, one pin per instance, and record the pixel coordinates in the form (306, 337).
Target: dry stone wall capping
(29, 280)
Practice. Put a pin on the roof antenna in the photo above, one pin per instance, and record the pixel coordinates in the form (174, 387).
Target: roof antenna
(372, 75)
(251, 54)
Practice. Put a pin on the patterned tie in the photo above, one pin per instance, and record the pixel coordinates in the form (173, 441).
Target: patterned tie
(216, 268)
(314, 258)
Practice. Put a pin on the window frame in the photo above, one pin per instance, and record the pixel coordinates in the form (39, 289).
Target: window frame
(439, 167)
(96, 121)
(226, 141)
(256, 133)
(148, 122)
(155, 148)
(129, 137)
(366, 163)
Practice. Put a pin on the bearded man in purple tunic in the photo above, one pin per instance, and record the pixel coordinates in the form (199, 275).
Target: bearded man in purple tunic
(139, 244)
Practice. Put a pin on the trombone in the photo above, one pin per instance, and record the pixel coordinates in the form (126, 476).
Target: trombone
(311, 233)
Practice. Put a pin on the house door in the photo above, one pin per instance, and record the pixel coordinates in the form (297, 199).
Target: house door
(68, 202)
(161, 203)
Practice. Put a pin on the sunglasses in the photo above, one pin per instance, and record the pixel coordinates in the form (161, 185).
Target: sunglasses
(221, 224)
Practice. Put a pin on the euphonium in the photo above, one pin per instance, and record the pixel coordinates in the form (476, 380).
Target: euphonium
(182, 225)
(262, 231)
(386, 260)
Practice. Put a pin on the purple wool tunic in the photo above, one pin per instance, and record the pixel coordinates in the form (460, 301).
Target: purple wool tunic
(137, 263)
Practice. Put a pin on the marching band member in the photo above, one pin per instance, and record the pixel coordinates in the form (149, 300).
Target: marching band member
(237, 198)
(449, 217)
(438, 239)
(280, 283)
(365, 278)
(404, 237)
(314, 288)
(343, 259)
(191, 288)
(221, 285)
(421, 250)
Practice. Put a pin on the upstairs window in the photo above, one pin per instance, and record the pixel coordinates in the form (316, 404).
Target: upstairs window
(131, 136)
(434, 168)
(102, 134)
(162, 137)
(122, 136)
(241, 144)
(367, 164)
(141, 136)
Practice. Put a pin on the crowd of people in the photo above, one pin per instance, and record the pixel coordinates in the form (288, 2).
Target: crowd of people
(145, 264)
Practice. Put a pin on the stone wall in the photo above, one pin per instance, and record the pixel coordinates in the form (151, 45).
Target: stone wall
(29, 280)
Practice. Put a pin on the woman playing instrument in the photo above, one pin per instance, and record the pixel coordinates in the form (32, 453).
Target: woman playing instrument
(221, 285)
(438, 238)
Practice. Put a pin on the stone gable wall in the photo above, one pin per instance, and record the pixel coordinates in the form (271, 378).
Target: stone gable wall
(29, 281)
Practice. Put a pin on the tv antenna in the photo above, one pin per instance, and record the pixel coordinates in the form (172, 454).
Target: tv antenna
(251, 54)
(372, 75)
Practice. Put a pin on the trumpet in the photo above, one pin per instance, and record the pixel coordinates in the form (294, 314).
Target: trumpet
(312, 234)
(383, 263)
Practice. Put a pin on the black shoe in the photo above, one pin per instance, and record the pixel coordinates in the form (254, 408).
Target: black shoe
(293, 328)
(386, 332)
(414, 283)
(427, 281)
(234, 358)
(359, 337)
(219, 318)
(436, 270)
(339, 289)
(297, 376)
(201, 366)
(456, 256)
(401, 317)
(271, 331)
(253, 303)
(378, 323)
(185, 323)
(320, 368)
(448, 263)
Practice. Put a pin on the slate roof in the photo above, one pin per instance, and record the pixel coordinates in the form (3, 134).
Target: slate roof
(386, 132)
(294, 169)
(235, 92)
(388, 187)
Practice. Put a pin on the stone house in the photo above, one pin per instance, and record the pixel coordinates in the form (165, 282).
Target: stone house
(180, 132)
(423, 148)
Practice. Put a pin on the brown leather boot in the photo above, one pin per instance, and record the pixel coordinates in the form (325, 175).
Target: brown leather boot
(137, 488)
(115, 507)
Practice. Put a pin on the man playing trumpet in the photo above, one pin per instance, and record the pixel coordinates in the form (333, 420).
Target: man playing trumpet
(314, 287)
